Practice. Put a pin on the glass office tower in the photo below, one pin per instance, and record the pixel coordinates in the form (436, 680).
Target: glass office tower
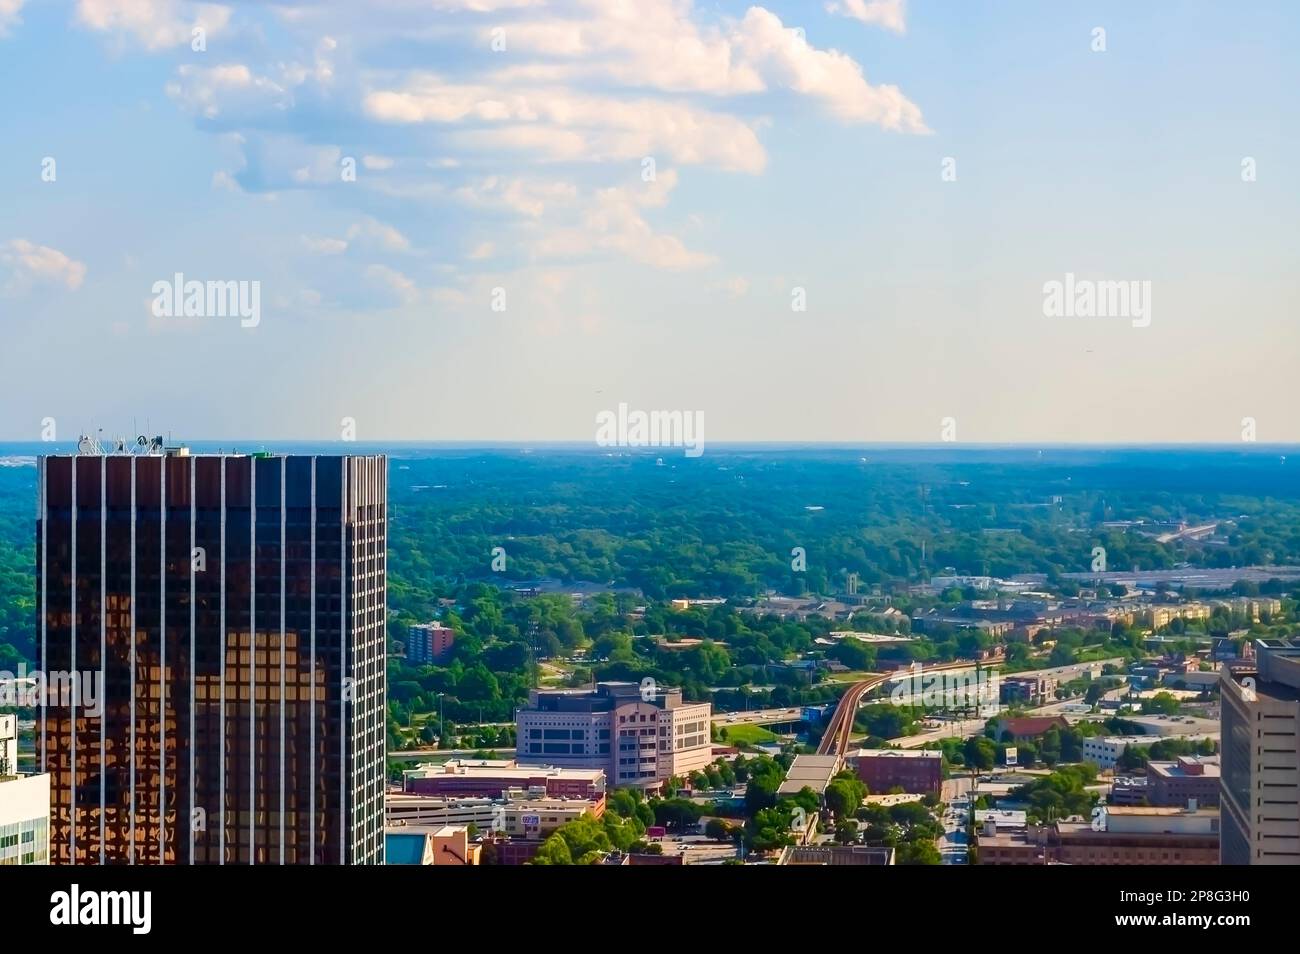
(231, 611)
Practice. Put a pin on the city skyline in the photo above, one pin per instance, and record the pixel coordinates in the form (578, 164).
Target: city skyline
(967, 160)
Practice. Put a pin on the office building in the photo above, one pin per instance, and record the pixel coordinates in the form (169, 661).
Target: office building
(638, 735)
(518, 813)
(1105, 751)
(1187, 779)
(1127, 836)
(229, 612)
(490, 778)
(913, 770)
(1260, 726)
(24, 805)
(428, 642)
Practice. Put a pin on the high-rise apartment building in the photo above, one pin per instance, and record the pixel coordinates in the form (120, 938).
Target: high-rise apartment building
(221, 620)
(639, 735)
(428, 642)
(1260, 765)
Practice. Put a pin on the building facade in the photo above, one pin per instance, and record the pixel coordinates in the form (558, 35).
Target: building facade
(230, 610)
(24, 805)
(1260, 762)
(912, 770)
(1185, 780)
(491, 778)
(1128, 836)
(640, 736)
(428, 642)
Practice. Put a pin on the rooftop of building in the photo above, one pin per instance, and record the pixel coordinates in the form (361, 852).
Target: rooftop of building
(835, 855)
(606, 696)
(898, 753)
(1186, 766)
(810, 771)
(502, 768)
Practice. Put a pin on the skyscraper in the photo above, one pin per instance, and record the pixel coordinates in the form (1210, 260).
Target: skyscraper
(1260, 725)
(223, 617)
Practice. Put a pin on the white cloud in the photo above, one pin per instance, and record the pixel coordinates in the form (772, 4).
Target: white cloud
(562, 124)
(395, 282)
(612, 220)
(890, 14)
(210, 91)
(154, 24)
(482, 251)
(372, 232)
(317, 245)
(30, 264)
(827, 75)
(377, 163)
(9, 10)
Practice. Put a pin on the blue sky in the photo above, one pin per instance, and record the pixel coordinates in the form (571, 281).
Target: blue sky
(782, 161)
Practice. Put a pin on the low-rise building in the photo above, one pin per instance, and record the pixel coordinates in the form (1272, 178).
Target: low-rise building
(912, 770)
(491, 778)
(1121, 836)
(1105, 750)
(1029, 688)
(446, 845)
(1186, 779)
(835, 855)
(517, 814)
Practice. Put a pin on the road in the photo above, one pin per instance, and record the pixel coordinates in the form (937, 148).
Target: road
(759, 717)
(840, 727)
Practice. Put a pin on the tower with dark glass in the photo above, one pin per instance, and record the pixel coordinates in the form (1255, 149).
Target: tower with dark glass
(219, 620)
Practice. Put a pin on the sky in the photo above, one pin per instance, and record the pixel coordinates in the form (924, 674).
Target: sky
(799, 221)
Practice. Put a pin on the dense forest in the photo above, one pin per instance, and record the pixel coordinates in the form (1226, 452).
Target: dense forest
(727, 524)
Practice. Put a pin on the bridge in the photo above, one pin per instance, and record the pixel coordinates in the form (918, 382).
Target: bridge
(840, 726)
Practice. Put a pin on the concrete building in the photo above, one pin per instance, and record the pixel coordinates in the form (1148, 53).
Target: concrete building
(1187, 778)
(447, 845)
(1126, 836)
(428, 642)
(835, 855)
(518, 814)
(1028, 688)
(1106, 750)
(638, 735)
(912, 770)
(24, 805)
(491, 778)
(1260, 726)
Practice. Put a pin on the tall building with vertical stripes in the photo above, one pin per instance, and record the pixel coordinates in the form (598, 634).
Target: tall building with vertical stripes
(231, 610)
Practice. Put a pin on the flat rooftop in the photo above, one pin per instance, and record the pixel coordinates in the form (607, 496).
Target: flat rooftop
(897, 753)
(811, 771)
